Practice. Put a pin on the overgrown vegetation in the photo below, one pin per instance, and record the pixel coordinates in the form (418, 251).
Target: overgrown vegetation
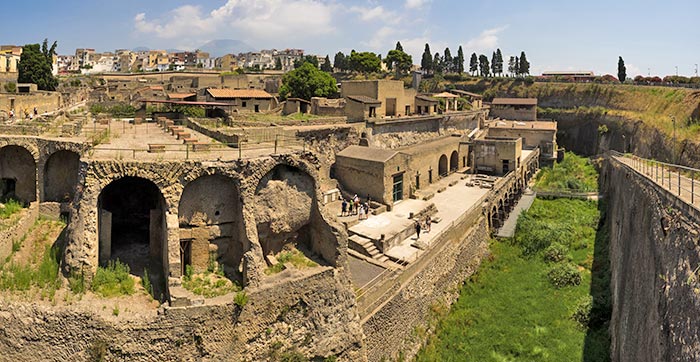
(10, 208)
(113, 280)
(574, 173)
(293, 257)
(510, 311)
(38, 269)
(211, 283)
(118, 110)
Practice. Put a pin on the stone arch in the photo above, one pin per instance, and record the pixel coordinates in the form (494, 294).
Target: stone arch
(454, 161)
(61, 173)
(287, 214)
(442, 166)
(494, 217)
(17, 174)
(211, 225)
(132, 228)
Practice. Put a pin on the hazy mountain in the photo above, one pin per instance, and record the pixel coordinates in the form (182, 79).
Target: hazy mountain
(140, 49)
(220, 47)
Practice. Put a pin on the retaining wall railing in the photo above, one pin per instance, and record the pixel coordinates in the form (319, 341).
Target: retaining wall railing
(681, 181)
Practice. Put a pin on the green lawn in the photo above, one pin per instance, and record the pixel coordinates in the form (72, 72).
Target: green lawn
(509, 311)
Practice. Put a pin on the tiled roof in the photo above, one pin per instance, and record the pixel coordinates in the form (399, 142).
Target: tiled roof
(445, 95)
(238, 93)
(426, 98)
(364, 99)
(367, 153)
(515, 101)
(180, 95)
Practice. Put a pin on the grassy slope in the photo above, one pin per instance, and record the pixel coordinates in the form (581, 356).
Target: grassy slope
(652, 105)
(510, 312)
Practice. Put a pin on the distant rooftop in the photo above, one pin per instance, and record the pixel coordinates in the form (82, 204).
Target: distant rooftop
(541, 125)
(238, 93)
(364, 99)
(515, 101)
(367, 153)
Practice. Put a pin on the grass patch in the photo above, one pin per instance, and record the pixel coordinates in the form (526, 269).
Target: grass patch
(10, 208)
(209, 284)
(509, 310)
(574, 173)
(294, 257)
(113, 280)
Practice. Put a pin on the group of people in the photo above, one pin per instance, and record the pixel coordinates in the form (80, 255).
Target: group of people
(423, 224)
(27, 114)
(353, 206)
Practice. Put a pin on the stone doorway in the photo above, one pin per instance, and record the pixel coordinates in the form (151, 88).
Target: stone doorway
(132, 229)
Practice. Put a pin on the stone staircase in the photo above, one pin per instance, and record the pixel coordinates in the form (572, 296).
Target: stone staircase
(366, 247)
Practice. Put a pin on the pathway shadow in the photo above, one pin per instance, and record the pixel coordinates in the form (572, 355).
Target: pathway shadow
(596, 346)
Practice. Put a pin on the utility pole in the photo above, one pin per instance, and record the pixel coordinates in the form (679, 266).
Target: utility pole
(673, 155)
(676, 70)
(696, 69)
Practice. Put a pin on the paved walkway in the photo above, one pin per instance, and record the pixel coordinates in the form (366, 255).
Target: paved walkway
(451, 204)
(508, 228)
(686, 188)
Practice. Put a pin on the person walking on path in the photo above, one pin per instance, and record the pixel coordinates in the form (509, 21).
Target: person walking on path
(361, 213)
(417, 226)
(428, 221)
(350, 203)
(344, 208)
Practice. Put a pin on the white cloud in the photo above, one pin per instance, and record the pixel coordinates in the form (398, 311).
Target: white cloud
(416, 46)
(375, 13)
(381, 39)
(256, 20)
(416, 4)
(486, 41)
(633, 70)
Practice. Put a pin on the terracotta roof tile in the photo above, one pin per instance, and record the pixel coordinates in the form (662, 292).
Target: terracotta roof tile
(238, 93)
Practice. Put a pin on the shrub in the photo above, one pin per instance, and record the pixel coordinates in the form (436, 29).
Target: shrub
(556, 252)
(562, 275)
(114, 280)
(11, 87)
(582, 311)
(11, 207)
(76, 283)
(240, 299)
(146, 282)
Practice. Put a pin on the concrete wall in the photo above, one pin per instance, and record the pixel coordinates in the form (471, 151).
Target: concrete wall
(23, 222)
(361, 177)
(654, 260)
(489, 155)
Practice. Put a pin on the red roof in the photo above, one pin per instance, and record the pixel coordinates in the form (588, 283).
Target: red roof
(238, 93)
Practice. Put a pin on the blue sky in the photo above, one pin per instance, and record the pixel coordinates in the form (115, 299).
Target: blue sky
(556, 35)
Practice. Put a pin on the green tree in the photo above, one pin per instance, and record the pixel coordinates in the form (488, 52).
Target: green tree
(398, 46)
(365, 62)
(399, 60)
(339, 62)
(621, 70)
(459, 61)
(278, 64)
(447, 61)
(516, 67)
(35, 66)
(311, 59)
(326, 66)
(437, 64)
(426, 62)
(499, 62)
(511, 65)
(306, 82)
(524, 64)
(494, 63)
(484, 68)
(473, 64)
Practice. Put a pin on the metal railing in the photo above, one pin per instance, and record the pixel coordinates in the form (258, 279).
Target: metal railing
(678, 180)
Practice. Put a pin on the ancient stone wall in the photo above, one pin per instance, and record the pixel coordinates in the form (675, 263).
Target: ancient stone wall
(395, 327)
(313, 316)
(654, 257)
(16, 231)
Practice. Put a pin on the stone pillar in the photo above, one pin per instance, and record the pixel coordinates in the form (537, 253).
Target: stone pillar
(105, 236)
(171, 251)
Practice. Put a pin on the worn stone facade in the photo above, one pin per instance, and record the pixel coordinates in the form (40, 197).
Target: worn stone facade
(654, 259)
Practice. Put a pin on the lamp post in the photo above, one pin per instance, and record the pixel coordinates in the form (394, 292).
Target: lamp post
(673, 121)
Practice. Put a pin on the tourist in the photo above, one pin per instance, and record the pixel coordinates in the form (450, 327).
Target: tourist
(428, 221)
(350, 203)
(417, 226)
(36, 112)
(344, 208)
(361, 213)
(356, 201)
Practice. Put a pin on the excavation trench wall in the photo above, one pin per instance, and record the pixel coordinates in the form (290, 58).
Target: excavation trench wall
(655, 258)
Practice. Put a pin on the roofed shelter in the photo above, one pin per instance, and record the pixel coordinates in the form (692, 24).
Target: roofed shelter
(449, 98)
(359, 108)
(426, 104)
(242, 100)
(520, 109)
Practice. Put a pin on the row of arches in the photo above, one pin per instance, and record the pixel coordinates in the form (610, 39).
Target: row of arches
(500, 209)
(211, 227)
(19, 174)
(445, 168)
